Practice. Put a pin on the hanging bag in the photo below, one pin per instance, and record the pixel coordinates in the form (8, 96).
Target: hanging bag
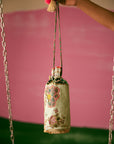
(56, 95)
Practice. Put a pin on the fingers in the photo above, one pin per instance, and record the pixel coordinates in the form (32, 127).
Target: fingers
(62, 1)
(68, 2)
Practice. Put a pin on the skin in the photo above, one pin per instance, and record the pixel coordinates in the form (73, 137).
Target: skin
(99, 14)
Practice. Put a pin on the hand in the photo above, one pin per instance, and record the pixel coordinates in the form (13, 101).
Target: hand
(68, 2)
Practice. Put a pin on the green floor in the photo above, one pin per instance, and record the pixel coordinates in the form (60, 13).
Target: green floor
(26, 133)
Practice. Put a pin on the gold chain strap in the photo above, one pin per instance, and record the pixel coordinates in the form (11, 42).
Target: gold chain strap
(111, 121)
(6, 70)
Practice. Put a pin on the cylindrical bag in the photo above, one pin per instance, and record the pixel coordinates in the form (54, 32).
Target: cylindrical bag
(56, 105)
(56, 95)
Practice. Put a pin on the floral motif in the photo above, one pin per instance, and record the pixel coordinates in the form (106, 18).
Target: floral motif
(52, 93)
(56, 110)
(56, 120)
(53, 121)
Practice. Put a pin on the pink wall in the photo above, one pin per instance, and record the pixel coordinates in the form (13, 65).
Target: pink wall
(88, 49)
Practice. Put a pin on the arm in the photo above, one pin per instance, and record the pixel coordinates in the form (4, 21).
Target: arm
(101, 15)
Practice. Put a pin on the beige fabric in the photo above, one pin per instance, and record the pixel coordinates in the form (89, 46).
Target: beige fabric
(52, 6)
(56, 108)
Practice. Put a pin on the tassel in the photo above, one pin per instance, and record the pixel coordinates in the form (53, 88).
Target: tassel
(52, 6)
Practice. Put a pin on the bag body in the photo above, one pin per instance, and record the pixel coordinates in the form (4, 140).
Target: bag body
(56, 106)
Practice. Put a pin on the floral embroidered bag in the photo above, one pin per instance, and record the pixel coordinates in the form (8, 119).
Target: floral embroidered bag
(56, 95)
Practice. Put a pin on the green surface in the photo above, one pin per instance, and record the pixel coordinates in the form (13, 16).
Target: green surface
(26, 133)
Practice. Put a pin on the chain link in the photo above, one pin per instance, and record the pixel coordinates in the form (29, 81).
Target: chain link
(111, 121)
(6, 71)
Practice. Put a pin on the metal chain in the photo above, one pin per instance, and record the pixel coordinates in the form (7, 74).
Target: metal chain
(111, 121)
(6, 71)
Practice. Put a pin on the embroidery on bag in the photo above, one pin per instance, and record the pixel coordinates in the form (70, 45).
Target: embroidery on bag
(56, 120)
(52, 93)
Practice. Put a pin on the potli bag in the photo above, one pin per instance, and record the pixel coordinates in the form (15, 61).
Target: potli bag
(56, 94)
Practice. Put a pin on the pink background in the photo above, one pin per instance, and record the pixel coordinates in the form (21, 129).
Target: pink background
(88, 49)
